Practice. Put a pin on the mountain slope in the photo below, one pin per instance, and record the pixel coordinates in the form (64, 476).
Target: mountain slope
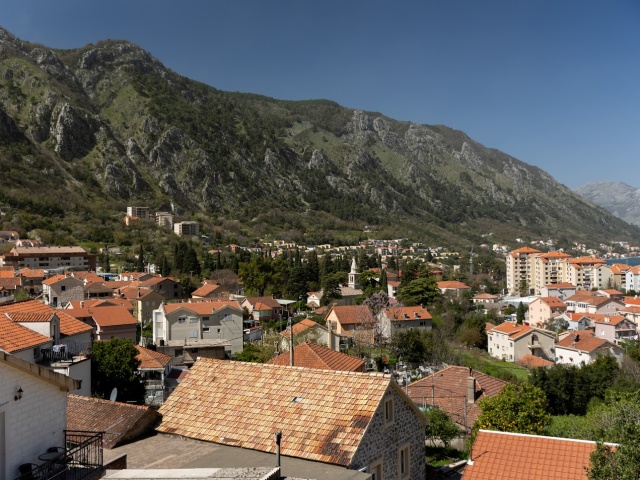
(616, 197)
(108, 125)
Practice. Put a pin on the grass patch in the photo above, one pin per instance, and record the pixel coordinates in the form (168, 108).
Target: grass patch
(437, 457)
(483, 362)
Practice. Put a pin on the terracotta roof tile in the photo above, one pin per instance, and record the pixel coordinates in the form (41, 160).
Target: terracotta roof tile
(307, 405)
(151, 359)
(452, 284)
(202, 308)
(68, 324)
(352, 314)
(586, 342)
(120, 422)
(15, 337)
(448, 390)
(502, 456)
(301, 326)
(311, 355)
(105, 316)
(407, 313)
(531, 361)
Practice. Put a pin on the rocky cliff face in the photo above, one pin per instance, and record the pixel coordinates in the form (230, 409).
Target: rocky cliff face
(112, 120)
(616, 197)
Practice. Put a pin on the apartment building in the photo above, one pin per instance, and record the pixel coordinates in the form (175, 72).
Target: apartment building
(186, 228)
(49, 258)
(519, 272)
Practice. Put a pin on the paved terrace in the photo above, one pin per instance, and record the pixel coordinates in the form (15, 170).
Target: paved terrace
(171, 452)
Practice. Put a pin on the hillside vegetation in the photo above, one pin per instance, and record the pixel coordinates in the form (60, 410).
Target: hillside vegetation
(85, 132)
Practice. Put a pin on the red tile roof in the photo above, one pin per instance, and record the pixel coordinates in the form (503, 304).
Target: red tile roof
(323, 414)
(453, 285)
(120, 422)
(202, 308)
(311, 355)
(560, 285)
(447, 389)
(301, 326)
(502, 456)
(105, 316)
(407, 313)
(586, 342)
(15, 337)
(531, 361)
(512, 329)
(152, 359)
(68, 324)
(352, 314)
(523, 250)
(552, 302)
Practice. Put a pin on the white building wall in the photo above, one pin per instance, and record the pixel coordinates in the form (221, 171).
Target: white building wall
(79, 371)
(501, 346)
(32, 424)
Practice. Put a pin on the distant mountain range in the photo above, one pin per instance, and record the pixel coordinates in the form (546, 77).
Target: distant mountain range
(616, 197)
(88, 131)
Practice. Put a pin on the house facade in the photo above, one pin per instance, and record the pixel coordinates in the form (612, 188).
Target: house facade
(394, 319)
(545, 308)
(510, 342)
(196, 325)
(583, 347)
(59, 290)
(33, 403)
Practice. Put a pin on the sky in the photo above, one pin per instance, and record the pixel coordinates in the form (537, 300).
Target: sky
(553, 83)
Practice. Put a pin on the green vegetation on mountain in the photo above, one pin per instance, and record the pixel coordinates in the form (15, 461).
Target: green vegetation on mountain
(87, 131)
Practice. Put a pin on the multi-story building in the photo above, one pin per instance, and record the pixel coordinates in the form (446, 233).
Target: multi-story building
(49, 258)
(547, 268)
(186, 228)
(587, 273)
(510, 342)
(141, 212)
(519, 272)
(165, 220)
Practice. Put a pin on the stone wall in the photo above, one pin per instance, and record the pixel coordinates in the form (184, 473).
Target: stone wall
(382, 442)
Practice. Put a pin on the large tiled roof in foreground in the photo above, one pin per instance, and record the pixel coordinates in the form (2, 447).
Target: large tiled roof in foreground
(322, 414)
(512, 456)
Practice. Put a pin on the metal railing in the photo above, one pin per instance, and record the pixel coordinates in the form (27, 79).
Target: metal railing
(82, 458)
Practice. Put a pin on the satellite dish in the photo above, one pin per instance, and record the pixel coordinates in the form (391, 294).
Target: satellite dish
(114, 394)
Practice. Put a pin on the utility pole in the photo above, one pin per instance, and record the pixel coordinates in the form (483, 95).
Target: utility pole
(290, 327)
(471, 263)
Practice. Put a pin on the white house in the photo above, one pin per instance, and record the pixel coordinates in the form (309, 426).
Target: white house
(510, 342)
(33, 412)
(582, 347)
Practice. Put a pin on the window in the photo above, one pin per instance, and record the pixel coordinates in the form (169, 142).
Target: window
(182, 319)
(388, 411)
(403, 462)
(193, 333)
(193, 319)
(375, 469)
(205, 319)
(205, 329)
(178, 352)
(63, 287)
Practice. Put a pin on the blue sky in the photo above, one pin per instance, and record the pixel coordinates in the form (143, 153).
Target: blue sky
(553, 83)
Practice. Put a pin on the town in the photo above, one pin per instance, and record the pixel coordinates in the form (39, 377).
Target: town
(385, 359)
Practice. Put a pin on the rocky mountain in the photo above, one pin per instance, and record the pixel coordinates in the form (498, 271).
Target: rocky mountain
(85, 132)
(616, 197)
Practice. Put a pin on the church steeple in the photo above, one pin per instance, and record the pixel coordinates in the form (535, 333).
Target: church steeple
(353, 275)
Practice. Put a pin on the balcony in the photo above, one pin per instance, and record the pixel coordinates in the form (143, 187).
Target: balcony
(81, 459)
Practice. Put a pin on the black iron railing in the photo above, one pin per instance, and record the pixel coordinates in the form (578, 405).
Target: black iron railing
(80, 459)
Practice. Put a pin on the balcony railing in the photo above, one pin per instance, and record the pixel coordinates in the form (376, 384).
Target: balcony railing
(81, 459)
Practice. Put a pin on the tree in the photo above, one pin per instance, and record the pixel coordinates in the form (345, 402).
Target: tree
(140, 262)
(440, 427)
(412, 344)
(256, 274)
(520, 314)
(421, 291)
(517, 408)
(619, 420)
(331, 287)
(114, 364)
(376, 302)
(383, 281)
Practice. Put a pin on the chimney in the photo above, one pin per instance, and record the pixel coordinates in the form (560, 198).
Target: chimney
(329, 336)
(82, 304)
(471, 389)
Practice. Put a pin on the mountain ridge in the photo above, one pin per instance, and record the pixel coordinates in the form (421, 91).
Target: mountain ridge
(112, 126)
(619, 198)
